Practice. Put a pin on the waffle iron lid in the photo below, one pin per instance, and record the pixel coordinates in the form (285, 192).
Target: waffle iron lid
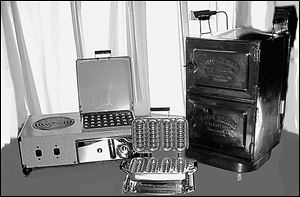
(153, 134)
(104, 84)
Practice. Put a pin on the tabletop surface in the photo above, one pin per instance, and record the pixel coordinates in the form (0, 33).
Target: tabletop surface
(278, 176)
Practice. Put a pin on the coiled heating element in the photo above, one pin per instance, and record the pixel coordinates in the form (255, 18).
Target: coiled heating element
(153, 134)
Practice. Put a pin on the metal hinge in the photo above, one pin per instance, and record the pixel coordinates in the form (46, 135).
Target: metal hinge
(190, 65)
(252, 143)
(282, 107)
(252, 149)
(257, 53)
(256, 92)
(254, 116)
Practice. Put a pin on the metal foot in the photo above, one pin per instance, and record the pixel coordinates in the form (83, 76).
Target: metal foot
(239, 177)
(26, 171)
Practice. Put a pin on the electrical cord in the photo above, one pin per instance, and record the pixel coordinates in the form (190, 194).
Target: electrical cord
(226, 17)
(209, 27)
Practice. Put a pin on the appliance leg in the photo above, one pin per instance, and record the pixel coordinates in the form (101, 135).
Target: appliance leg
(26, 171)
(239, 177)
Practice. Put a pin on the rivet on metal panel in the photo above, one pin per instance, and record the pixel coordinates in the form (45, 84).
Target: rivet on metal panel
(257, 52)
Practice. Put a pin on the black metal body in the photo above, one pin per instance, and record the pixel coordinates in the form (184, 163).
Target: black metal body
(234, 98)
(285, 21)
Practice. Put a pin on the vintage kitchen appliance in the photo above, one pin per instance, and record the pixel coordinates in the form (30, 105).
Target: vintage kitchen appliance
(234, 103)
(165, 170)
(101, 130)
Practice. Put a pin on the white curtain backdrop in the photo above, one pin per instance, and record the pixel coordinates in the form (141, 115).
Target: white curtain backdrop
(256, 14)
(164, 55)
(19, 96)
(51, 48)
(136, 35)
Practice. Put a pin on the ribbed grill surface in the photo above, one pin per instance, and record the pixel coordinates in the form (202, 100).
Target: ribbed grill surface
(155, 165)
(152, 134)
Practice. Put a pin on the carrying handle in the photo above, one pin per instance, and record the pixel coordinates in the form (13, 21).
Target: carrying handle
(102, 53)
(160, 109)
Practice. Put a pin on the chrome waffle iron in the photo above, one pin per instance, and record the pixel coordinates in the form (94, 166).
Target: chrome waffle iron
(105, 94)
(163, 169)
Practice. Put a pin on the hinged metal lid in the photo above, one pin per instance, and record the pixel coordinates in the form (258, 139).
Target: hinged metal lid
(104, 84)
(151, 134)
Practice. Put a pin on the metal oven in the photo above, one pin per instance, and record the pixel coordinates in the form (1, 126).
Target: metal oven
(234, 102)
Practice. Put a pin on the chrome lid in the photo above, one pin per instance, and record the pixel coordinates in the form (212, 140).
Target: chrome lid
(104, 84)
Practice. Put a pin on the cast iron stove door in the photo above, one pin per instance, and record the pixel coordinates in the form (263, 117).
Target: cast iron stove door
(221, 126)
(222, 70)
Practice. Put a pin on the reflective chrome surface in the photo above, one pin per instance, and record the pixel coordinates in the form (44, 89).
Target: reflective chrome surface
(159, 175)
(153, 134)
(160, 168)
(104, 84)
(103, 149)
(159, 187)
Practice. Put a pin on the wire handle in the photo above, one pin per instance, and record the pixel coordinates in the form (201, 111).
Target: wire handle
(225, 16)
(205, 15)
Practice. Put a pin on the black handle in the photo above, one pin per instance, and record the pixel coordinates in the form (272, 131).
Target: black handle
(103, 52)
(204, 14)
(159, 108)
(111, 146)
